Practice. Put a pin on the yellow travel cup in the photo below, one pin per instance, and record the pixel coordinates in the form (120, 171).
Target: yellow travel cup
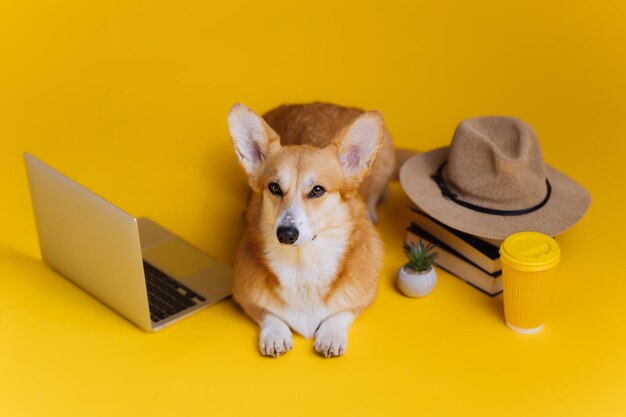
(529, 260)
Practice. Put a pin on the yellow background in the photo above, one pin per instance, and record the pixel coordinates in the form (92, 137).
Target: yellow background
(130, 98)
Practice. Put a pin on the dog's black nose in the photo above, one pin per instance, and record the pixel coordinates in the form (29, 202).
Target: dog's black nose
(287, 234)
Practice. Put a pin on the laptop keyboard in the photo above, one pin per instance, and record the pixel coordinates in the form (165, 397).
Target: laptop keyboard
(166, 296)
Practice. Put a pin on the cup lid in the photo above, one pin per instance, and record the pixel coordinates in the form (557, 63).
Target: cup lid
(530, 251)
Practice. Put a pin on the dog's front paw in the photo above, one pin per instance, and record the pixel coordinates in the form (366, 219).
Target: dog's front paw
(275, 339)
(330, 341)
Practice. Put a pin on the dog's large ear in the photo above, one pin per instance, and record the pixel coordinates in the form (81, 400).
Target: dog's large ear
(253, 139)
(359, 143)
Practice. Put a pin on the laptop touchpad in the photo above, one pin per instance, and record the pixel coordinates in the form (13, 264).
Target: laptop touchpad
(177, 258)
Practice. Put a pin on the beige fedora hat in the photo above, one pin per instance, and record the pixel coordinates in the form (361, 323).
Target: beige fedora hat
(492, 182)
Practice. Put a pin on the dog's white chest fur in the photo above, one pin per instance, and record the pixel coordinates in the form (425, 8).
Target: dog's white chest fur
(305, 274)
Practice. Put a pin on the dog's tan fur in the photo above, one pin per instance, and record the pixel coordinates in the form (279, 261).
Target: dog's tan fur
(318, 124)
(318, 287)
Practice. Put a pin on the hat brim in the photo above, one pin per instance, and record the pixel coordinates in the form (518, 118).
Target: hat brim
(567, 204)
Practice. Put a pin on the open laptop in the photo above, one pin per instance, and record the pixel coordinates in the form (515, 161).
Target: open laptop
(136, 267)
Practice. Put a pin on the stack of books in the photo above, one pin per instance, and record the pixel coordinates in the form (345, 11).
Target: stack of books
(474, 260)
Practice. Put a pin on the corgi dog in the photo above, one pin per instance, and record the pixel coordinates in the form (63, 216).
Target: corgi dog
(310, 258)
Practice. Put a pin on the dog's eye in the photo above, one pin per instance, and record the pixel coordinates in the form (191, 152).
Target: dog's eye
(275, 189)
(317, 191)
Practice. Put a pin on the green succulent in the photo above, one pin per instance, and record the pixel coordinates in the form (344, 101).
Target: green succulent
(420, 257)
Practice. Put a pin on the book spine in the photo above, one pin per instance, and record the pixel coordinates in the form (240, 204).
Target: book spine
(462, 268)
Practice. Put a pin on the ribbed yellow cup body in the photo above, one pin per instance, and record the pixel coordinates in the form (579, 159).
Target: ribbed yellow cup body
(526, 296)
(529, 263)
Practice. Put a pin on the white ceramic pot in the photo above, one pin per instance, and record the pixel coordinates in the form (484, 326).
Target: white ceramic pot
(416, 284)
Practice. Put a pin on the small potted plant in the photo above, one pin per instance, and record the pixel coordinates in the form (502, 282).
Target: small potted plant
(417, 277)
